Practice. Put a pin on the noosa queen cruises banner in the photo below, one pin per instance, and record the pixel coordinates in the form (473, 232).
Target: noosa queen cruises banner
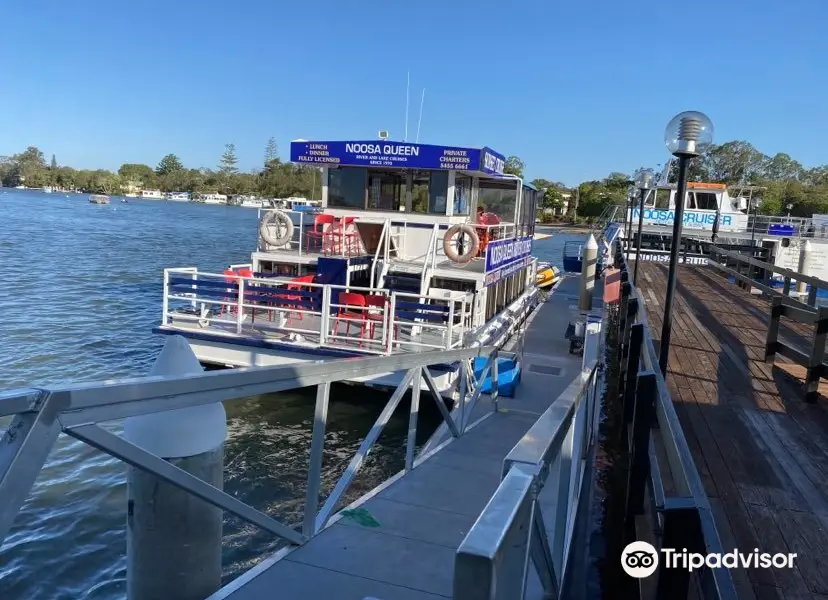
(502, 253)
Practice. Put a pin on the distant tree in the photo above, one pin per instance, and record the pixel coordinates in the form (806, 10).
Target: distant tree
(169, 164)
(271, 151)
(54, 165)
(229, 160)
(514, 166)
(138, 174)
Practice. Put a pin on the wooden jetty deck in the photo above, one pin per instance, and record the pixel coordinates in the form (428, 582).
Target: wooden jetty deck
(761, 451)
(400, 542)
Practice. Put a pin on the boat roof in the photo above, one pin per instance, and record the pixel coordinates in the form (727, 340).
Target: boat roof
(387, 154)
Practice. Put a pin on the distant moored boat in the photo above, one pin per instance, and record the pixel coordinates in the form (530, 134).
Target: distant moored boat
(99, 199)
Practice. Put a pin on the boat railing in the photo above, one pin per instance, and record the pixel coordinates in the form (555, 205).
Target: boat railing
(40, 415)
(322, 314)
(682, 518)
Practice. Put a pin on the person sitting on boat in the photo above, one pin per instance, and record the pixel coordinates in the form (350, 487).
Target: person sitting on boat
(486, 234)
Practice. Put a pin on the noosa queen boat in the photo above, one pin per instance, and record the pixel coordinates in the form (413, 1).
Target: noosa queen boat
(415, 247)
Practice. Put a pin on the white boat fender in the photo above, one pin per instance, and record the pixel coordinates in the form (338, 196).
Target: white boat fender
(283, 224)
(470, 251)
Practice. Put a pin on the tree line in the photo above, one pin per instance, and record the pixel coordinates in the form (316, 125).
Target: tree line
(784, 182)
(276, 179)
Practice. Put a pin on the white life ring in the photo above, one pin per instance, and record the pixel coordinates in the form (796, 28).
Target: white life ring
(470, 252)
(283, 224)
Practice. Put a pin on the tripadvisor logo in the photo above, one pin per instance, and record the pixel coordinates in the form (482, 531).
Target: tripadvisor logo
(640, 559)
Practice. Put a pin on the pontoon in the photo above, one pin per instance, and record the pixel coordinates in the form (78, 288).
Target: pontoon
(414, 247)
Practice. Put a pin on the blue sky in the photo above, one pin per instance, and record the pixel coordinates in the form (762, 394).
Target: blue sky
(576, 89)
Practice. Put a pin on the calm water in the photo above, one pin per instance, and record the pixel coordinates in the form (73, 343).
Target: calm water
(82, 293)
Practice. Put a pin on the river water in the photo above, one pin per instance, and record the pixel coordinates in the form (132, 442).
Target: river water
(81, 294)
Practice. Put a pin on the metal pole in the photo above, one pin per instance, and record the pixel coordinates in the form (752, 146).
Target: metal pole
(641, 198)
(666, 328)
(715, 233)
(753, 229)
(628, 226)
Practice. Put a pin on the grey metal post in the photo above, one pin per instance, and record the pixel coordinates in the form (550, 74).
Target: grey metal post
(641, 199)
(667, 325)
(589, 259)
(174, 538)
(804, 255)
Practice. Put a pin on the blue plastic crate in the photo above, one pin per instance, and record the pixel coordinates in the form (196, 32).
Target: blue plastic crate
(508, 375)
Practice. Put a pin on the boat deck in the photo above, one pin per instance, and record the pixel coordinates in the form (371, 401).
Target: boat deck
(267, 331)
(761, 451)
(402, 542)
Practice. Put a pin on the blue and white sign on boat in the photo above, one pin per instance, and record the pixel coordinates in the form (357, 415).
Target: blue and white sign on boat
(504, 257)
(381, 153)
(693, 219)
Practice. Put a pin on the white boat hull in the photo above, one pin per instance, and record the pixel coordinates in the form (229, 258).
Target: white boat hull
(234, 355)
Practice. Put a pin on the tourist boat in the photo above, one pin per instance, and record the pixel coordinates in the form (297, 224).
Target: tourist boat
(739, 227)
(393, 259)
(250, 202)
(178, 197)
(213, 198)
(151, 194)
(99, 199)
(547, 275)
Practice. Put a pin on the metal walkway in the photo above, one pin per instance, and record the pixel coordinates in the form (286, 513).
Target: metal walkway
(399, 542)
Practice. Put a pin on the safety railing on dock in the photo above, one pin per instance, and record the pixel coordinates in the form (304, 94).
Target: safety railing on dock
(371, 320)
(762, 275)
(543, 482)
(40, 415)
(682, 519)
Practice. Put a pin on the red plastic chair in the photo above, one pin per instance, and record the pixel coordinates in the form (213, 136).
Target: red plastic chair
(295, 285)
(347, 299)
(232, 279)
(380, 302)
(318, 232)
(247, 273)
(340, 234)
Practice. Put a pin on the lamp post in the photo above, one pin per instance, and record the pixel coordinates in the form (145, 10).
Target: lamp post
(687, 135)
(643, 180)
(755, 203)
(628, 223)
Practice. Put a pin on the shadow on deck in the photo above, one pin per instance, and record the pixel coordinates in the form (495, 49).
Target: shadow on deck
(761, 451)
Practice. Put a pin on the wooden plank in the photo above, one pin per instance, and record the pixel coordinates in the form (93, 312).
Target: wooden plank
(761, 452)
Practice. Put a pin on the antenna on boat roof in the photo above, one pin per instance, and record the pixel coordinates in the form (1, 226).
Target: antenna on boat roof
(407, 86)
(420, 120)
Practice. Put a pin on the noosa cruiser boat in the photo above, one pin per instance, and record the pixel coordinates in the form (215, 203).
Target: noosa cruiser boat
(730, 212)
(414, 247)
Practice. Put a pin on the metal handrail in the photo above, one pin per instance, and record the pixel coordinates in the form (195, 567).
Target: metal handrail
(494, 558)
(40, 415)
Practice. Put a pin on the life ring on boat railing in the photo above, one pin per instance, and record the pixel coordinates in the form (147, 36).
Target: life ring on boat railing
(468, 252)
(282, 223)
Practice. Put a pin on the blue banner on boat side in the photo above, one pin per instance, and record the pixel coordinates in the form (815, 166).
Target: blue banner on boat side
(397, 154)
(493, 277)
(501, 253)
(492, 162)
(665, 216)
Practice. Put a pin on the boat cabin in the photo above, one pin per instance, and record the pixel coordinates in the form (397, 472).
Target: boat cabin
(700, 205)
(417, 246)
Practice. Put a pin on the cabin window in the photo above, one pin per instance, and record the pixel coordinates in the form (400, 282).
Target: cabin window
(346, 188)
(705, 201)
(462, 195)
(386, 190)
(528, 209)
(438, 192)
(498, 197)
(662, 198)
